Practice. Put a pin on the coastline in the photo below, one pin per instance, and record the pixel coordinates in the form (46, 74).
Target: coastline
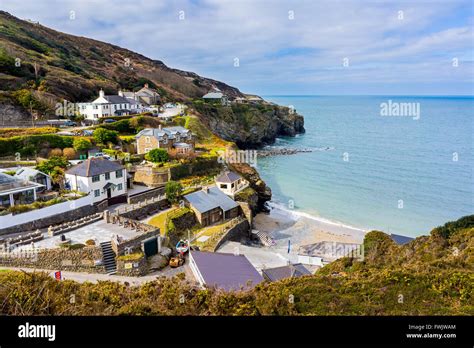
(301, 228)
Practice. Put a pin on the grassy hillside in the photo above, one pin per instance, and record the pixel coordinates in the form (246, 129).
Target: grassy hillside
(432, 275)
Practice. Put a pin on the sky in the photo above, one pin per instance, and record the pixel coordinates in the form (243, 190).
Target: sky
(273, 47)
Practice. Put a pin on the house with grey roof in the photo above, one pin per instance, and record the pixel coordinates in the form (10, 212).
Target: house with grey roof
(216, 95)
(102, 178)
(289, 271)
(399, 239)
(175, 138)
(34, 175)
(15, 190)
(105, 106)
(231, 183)
(224, 271)
(211, 205)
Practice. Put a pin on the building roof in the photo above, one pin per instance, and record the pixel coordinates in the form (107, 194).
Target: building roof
(228, 177)
(9, 184)
(329, 250)
(400, 240)
(204, 201)
(94, 166)
(116, 99)
(158, 133)
(289, 271)
(26, 173)
(213, 95)
(226, 271)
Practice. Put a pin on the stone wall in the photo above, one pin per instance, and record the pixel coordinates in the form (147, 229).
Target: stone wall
(71, 215)
(132, 268)
(143, 196)
(182, 223)
(142, 212)
(236, 233)
(149, 176)
(86, 259)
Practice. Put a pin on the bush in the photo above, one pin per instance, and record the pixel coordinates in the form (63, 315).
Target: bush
(173, 191)
(82, 144)
(157, 156)
(104, 136)
(49, 165)
(69, 153)
(90, 242)
(30, 144)
(57, 152)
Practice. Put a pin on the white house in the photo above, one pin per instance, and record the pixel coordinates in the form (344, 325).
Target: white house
(102, 178)
(17, 191)
(34, 175)
(106, 106)
(231, 183)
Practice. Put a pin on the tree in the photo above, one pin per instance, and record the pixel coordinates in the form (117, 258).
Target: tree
(173, 191)
(69, 153)
(82, 144)
(51, 165)
(157, 155)
(104, 136)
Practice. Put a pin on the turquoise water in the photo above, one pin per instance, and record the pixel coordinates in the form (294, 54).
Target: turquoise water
(400, 176)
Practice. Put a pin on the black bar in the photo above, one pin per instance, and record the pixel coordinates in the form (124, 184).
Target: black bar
(289, 331)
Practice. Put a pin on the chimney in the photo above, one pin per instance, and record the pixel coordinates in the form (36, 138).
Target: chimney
(159, 127)
(146, 85)
(205, 189)
(120, 93)
(101, 93)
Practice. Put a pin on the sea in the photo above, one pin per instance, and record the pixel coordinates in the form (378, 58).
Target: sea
(399, 164)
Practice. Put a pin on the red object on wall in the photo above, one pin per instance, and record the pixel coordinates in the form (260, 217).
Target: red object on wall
(57, 275)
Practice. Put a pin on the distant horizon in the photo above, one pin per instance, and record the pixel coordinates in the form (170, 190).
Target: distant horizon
(368, 95)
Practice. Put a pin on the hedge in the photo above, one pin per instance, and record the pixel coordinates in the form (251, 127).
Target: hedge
(29, 144)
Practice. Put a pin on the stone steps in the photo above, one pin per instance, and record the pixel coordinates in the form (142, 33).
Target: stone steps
(108, 257)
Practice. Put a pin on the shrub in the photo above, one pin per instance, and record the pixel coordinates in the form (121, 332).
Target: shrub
(69, 153)
(173, 191)
(157, 156)
(82, 144)
(57, 152)
(90, 242)
(49, 165)
(104, 136)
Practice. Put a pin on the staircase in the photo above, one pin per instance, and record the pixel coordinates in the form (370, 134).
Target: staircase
(264, 238)
(108, 257)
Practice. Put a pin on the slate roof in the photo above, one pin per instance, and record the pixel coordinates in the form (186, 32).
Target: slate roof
(159, 133)
(116, 99)
(290, 271)
(213, 198)
(226, 271)
(228, 177)
(400, 240)
(94, 166)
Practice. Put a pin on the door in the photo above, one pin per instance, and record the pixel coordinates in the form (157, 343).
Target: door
(109, 193)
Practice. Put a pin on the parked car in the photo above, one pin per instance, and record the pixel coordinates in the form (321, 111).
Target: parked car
(102, 155)
(70, 123)
(109, 120)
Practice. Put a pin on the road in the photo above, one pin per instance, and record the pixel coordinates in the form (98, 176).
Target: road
(82, 277)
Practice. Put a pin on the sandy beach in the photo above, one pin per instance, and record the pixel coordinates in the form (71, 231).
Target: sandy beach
(294, 229)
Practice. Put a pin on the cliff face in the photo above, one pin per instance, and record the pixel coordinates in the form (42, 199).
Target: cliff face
(251, 126)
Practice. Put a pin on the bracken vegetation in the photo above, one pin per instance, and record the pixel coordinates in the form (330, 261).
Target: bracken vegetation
(432, 275)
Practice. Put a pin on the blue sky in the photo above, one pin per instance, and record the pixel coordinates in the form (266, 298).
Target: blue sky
(286, 47)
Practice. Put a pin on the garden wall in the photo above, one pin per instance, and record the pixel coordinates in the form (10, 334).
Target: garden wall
(86, 259)
(48, 216)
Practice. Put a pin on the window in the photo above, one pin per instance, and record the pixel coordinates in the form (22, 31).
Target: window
(148, 140)
(96, 178)
(118, 173)
(107, 176)
(223, 186)
(120, 187)
(96, 193)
